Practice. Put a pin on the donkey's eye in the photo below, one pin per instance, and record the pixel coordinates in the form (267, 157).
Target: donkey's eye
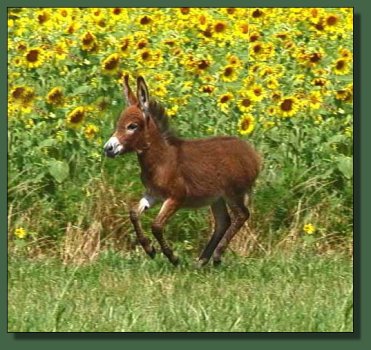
(132, 126)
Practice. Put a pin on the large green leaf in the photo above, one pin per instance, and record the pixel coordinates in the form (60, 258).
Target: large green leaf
(345, 165)
(59, 170)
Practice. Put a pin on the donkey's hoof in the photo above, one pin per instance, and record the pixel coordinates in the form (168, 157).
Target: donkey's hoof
(217, 263)
(152, 252)
(175, 260)
(201, 263)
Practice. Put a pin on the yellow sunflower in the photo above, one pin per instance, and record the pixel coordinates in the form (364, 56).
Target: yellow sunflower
(341, 66)
(345, 94)
(76, 117)
(245, 102)
(110, 64)
(220, 29)
(207, 89)
(149, 58)
(242, 28)
(321, 82)
(261, 51)
(272, 110)
(315, 99)
(246, 124)
(288, 106)
(198, 65)
(346, 54)
(224, 101)
(55, 96)
(256, 92)
(234, 60)
(332, 23)
(272, 83)
(90, 131)
(23, 97)
(61, 50)
(229, 73)
(159, 90)
(124, 46)
(34, 57)
(89, 42)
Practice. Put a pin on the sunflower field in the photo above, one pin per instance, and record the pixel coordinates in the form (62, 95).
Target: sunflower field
(281, 78)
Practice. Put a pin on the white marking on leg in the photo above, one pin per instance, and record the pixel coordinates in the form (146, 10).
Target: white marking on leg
(145, 203)
(246, 199)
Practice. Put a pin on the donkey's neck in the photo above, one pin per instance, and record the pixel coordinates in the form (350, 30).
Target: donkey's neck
(158, 155)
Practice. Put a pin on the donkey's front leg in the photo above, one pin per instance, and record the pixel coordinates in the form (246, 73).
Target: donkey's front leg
(169, 207)
(145, 203)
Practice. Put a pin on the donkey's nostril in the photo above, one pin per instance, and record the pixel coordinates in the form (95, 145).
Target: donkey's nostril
(113, 147)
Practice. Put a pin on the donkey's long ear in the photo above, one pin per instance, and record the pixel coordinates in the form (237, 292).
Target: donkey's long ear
(130, 97)
(143, 95)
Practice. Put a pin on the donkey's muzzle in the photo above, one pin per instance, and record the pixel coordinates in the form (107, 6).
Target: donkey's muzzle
(109, 152)
(113, 147)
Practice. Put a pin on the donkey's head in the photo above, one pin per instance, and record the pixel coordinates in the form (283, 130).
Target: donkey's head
(130, 130)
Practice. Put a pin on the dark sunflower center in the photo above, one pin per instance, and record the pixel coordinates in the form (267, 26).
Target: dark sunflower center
(257, 13)
(88, 39)
(32, 56)
(257, 92)
(207, 89)
(18, 92)
(145, 20)
(244, 28)
(219, 27)
(286, 105)
(56, 95)
(257, 48)
(340, 64)
(145, 55)
(245, 124)
(224, 99)
(319, 26)
(331, 20)
(319, 82)
(142, 44)
(228, 71)
(42, 18)
(125, 44)
(111, 64)
(77, 117)
(207, 33)
(315, 57)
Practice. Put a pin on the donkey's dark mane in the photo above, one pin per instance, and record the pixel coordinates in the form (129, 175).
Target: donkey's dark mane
(159, 116)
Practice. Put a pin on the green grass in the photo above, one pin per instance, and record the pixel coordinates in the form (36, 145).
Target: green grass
(130, 293)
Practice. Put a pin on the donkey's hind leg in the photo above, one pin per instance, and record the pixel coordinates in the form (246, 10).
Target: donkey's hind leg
(222, 222)
(144, 204)
(240, 214)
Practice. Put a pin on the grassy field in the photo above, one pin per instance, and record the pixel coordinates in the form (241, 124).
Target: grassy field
(131, 293)
(279, 78)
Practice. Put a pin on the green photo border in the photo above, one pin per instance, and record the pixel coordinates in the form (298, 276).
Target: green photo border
(362, 80)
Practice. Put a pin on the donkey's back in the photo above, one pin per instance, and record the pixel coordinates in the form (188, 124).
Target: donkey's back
(217, 166)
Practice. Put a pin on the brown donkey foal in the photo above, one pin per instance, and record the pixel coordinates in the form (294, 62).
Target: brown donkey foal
(215, 171)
